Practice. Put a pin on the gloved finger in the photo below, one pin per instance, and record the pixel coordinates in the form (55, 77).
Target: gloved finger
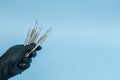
(33, 54)
(30, 47)
(23, 66)
(38, 48)
(26, 60)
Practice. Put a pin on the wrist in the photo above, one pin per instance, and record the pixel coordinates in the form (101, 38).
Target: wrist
(3, 71)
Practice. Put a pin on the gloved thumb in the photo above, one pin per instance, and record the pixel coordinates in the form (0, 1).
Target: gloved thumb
(30, 47)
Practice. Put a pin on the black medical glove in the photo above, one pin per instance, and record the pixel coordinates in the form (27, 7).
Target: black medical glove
(14, 62)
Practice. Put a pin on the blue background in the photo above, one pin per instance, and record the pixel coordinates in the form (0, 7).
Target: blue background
(85, 39)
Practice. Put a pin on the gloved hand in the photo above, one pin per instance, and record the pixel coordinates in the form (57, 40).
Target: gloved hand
(13, 61)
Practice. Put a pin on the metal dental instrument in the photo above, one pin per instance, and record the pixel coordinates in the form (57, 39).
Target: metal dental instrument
(32, 37)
